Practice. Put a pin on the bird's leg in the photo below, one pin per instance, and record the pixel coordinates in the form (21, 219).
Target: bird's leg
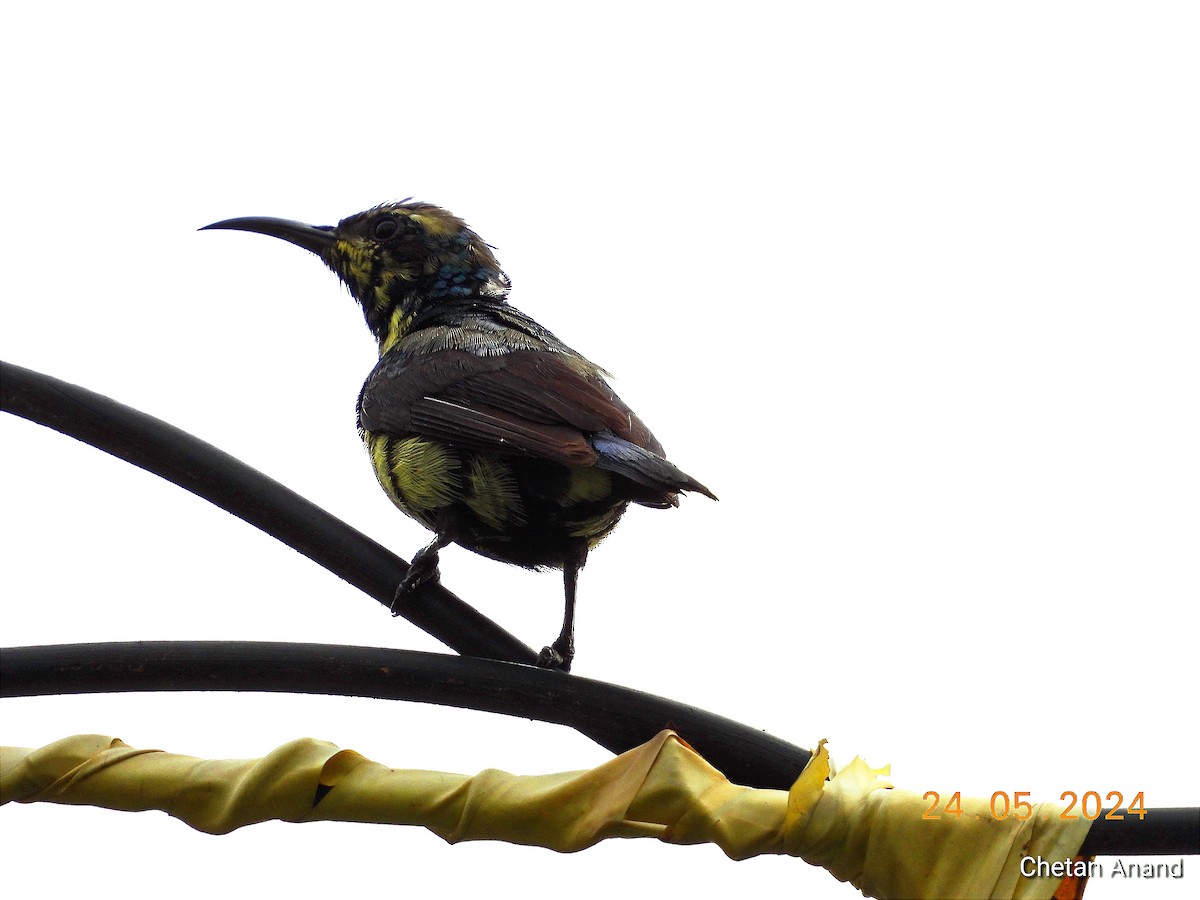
(423, 568)
(559, 654)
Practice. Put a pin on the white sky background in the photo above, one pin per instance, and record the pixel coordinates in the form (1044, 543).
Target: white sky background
(912, 287)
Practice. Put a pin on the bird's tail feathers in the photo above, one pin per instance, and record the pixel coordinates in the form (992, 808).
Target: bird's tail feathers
(646, 469)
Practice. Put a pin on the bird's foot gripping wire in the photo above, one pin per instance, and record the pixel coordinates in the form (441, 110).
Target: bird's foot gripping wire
(559, 654)
(556, 657)
(422, 570)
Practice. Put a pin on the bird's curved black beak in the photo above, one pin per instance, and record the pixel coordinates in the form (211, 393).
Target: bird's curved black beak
(317, 238)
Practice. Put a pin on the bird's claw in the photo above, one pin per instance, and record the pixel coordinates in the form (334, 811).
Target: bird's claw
(553, 658)
(422, 570)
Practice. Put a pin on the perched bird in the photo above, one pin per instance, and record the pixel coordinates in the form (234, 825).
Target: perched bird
(481, 424)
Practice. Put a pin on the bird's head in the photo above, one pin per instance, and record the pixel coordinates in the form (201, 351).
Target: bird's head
(399, 260)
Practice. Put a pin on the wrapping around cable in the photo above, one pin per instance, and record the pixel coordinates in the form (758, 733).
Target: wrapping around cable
(855, 824)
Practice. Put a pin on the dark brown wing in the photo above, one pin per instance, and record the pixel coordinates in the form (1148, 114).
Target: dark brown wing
(530, 402)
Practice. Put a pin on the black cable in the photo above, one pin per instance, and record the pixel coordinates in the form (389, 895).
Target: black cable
(1165, 831)
(752, 757)
(216, 476)
(625, 717)
(201, 468)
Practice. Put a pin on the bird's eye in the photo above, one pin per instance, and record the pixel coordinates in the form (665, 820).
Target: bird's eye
(386, 228)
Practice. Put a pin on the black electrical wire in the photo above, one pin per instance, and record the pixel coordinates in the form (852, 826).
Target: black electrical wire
(479, 684)
(201, 468)
(624, 716)
(758, 759)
